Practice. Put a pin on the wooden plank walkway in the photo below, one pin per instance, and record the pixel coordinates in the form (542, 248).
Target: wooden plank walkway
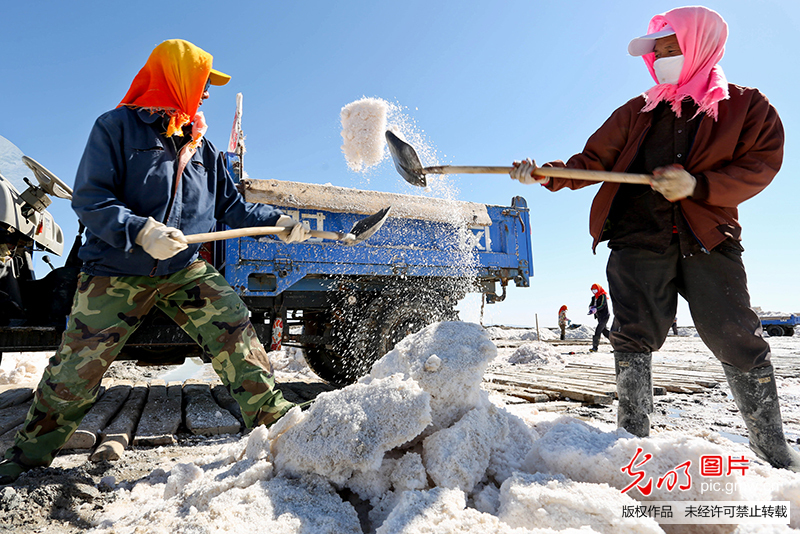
(594, 383)
(145, 413)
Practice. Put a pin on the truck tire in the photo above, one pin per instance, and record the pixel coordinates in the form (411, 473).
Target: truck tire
(363, 333)
(327, 361)
(775, 330)
(394, 316)
(788, 331)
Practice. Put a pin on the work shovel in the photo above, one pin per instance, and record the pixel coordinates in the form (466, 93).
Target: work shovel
(410, 168)
(361, 231)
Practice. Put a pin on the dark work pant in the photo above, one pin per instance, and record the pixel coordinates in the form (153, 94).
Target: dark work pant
(644, 288)
(600, 330)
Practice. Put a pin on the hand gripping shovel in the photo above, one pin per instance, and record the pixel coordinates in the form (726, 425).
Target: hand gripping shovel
(361, 231)
(410, 168)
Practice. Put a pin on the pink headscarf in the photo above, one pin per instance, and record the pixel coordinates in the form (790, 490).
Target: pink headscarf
(701, 34)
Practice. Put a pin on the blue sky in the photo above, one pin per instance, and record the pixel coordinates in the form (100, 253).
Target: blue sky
(487, 82)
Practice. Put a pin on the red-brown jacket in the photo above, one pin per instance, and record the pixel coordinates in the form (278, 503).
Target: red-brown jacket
(733, 159)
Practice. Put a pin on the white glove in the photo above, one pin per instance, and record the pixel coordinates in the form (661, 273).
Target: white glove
(160, 241)
(523, 172)
(673, 182)
(300, 230)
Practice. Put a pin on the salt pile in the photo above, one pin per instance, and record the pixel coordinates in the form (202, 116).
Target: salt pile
(536, 354)
(417, 446)
(22, 367)
(363, 128)
(521, 334)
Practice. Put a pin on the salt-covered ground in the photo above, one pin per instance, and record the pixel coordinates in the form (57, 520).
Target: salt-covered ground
(417, 446)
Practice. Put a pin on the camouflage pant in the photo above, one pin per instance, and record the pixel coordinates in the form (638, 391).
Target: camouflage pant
(105, 312)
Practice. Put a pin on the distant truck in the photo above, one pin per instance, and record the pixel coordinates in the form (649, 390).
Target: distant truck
(780, 325)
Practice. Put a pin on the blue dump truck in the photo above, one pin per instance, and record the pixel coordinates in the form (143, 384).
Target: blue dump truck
(779, 325)
(344, 305)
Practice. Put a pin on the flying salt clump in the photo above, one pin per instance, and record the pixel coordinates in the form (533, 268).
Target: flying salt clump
(363, 128)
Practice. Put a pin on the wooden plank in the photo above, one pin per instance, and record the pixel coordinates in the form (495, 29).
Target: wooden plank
(203, 415)
(224, 399)
(573, 393)
(13, 394)
(679, 381)
(161, 416)
(117, 435)
(13, 415)
(611, 381)
(550, 382)
(517, 394)
(703, 371)
(98, 416)
(527, 396)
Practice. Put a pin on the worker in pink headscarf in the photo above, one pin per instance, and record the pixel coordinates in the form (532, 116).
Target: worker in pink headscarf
(709, 146)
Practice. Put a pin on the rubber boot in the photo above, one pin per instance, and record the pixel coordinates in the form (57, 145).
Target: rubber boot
(634, 391)
(9, 471)
(756, 396)
(595, 342)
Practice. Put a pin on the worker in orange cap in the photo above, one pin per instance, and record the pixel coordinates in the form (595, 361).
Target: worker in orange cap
(563, 322)
(147, 177)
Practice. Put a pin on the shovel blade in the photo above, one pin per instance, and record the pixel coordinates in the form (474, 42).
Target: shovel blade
(366, 228)
(406, 160)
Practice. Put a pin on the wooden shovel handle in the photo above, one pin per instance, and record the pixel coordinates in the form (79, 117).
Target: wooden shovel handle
(553, 172)
(258, 231)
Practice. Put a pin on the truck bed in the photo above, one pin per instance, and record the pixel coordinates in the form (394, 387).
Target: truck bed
(424, 237)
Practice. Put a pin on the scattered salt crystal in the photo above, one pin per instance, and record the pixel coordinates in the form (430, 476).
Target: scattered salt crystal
(433, 363)
(182, 475)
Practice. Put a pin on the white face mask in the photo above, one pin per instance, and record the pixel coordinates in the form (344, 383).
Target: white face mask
(668, 69)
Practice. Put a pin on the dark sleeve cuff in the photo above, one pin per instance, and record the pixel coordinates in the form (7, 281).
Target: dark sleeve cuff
(701, 189)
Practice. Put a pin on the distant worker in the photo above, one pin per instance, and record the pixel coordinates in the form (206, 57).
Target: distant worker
(599, 308)
(147, 177)
(709, 145)
(563, 322)
(675, 326)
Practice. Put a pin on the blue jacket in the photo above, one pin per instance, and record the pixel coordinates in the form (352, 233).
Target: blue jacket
(127, 174)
